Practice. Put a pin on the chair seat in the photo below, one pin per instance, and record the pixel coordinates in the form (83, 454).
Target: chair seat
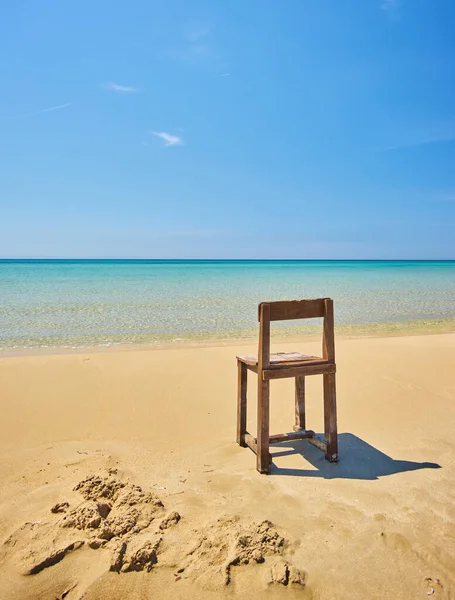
(284, 359)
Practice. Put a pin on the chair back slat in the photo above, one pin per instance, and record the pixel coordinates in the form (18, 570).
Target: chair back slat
(328, 336)
(296, 309)
(264, 336)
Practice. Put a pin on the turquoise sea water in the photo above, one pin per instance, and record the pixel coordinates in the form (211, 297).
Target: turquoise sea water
(75, 303)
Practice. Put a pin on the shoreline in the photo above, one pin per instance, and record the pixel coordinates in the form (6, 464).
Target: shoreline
(418, 327)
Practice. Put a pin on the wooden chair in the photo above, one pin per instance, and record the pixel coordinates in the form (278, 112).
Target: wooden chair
(291, 364)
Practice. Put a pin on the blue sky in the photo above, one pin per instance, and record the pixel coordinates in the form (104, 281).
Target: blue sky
(240, 129)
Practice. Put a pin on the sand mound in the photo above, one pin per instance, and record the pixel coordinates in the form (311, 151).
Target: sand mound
(131, 531)
(111, 516)
(117, 512)
(228, 543)
(112, 508)
(95, 487)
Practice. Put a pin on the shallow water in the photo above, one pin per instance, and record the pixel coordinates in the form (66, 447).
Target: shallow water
(73, 303)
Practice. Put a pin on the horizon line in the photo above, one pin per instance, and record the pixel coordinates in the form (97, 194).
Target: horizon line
(9, 259)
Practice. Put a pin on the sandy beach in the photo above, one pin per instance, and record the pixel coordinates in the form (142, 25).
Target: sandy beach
(141, 443)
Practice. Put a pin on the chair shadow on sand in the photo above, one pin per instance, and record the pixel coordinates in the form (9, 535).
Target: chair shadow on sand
(358, 460)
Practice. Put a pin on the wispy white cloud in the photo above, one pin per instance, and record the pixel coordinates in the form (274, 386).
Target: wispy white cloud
(168, 138)
(198, 32)
(43, 110)
(121, 89)
(52, 108)
(198, 40)
(196, 45)
(424, 140)
(392, 8)
(201, 50)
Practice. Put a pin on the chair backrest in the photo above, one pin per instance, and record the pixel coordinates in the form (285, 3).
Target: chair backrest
(295, 309)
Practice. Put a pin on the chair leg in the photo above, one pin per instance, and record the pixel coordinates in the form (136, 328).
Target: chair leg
(241, 403)
(299, 404)
(263, 455)
(330, 417)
